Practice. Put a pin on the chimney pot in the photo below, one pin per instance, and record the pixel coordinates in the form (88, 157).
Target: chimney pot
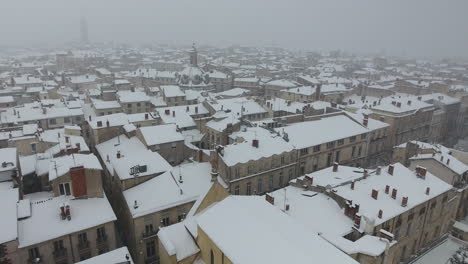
(404, 201)
(335, 167)
(394, 193)
(391, 168)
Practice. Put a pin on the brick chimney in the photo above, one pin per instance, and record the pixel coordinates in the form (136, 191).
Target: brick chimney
(428, 190)
(380, 214)
(375, 194)
(365, 122)
(107, 123)
(118, 154)
(255, 143)
(404, 201)
(391, 168)
(394, 193)
(270, 199)
(352, 185)
(357, 220)
(99, 123)
(196, 109)
(448, 162)
(146, 116)
(379, 170)
(387, 189)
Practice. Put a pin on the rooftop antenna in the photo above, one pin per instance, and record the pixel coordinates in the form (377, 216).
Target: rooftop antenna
(284, 204)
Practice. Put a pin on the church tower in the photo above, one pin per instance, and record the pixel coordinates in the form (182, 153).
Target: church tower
(193, 56)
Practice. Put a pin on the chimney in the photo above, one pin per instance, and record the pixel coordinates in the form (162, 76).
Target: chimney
(78, 146)
(352, 185)
(394, 193)
(380, 214)
(89, 118)
(409, 102)
(404, 201)
(187, 109)
(118, 154)
(167, 112)
(270, 199)
(99, 123)
(107, 123)
(379, 170)
(196, 109)
(67, 139)
(335, 167)
(308, 180)
(67, 212)
(428, 190)
(441, 158)
(255, 143)
(135, 205)
(375, 194)
(173, 113)
(62, 212)
(318, 91)
(398, 104)
(365, 122)
(391, 168)
(387, 189)
(357, 220)
(421, 172)
(448, 162)
(146, 116)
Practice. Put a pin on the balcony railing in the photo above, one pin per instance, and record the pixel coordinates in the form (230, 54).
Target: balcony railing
(150, 234)
(83, 245)
(60, 253)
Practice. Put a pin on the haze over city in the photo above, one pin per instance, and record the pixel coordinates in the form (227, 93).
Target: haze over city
(427, 28)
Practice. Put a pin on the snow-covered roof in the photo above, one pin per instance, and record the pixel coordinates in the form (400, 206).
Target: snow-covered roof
(81, 79)
(233, 92)
(48, 211)
(28, 113)
(61, 165)
(268, 235)
(407, 183)
(269, 144)
(183, 246)
(114, 256)
(8, 221)
(282, 83)
(280, 104)
(310, 133)
(439, 98)
(102, 105)
(6, 99)
(155, 135)
(7, 157)
(167, 191)
(132, 153)
(238, 106)
(60, 137)
(132, 97)
(172, 90)
(183, 114)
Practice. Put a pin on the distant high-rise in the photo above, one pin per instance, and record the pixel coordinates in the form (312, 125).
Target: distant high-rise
(84, 30)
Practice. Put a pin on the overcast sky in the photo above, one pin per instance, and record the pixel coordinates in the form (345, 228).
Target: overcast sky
(404, 27)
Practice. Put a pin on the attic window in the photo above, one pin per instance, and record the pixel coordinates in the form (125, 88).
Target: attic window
(64, 188)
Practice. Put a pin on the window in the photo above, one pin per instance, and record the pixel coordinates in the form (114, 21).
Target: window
(236, 171)
(236, 190)
(212, 257)
(317, 148)
(181, 217)
(138, 104)
(64, 188)
(150, 249)
(290, 174)
(34, 253)
(52, 121)
(173, 145)
(66, 120)
(359, 151)
(282, 160)
(129, 105)
(149, 229)
(58, 245)
(82, 238)
(337, 156)
(259, 185)
(304, 151)
(330, 144)
(352, 139)
(341, 142)
(281, 179)
(353, 151)
(444, 199)
(249, 188)
(329, 159)
(166, 221)
(270, 184)
(33, 147)
(422, 211)
(250, 169)
(101, 233)
(408, 230)
(363, 136)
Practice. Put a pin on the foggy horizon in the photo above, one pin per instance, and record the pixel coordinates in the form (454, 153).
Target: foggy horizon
(432, 29)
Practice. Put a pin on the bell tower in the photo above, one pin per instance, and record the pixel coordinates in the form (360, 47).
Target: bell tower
(193, 56)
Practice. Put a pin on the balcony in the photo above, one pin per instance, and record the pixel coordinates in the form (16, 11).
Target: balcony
(60, 254)
(83, 245)
(101, 240)
(149, 234)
